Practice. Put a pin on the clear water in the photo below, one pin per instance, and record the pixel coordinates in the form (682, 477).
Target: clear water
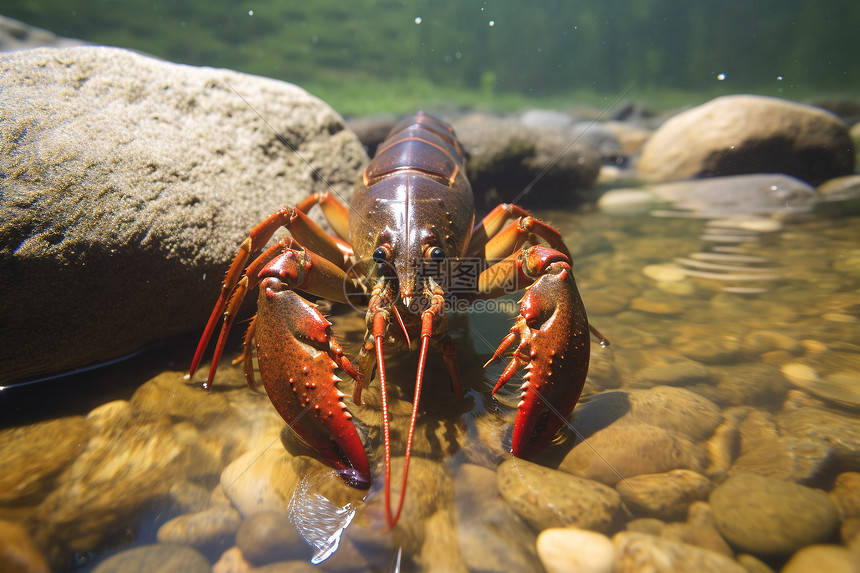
(799, 315)
(664, 290)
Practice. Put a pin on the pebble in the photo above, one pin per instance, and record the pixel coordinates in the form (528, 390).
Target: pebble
(124, 468)
(786, 458)
(830, 558)
(641, 553)
(649, 525)
(160, 558)
(626, 201)
(629, 450)
(766, 516)
(699, 530)
(215, 526)
(549, 498)
(723, 447)
(749, 383)
(846, 495)
(167, 394)
(842, 387)
(665, 496)
(260, 481)
(574, 550)
(188, 496)
(839, 431)
(652, 306)
(34, 454)
(677, 410)
(270, 536)
(232, 561)
(712, 348)
(490, 534)
(678, 373)
(761, 341)
(665, 272)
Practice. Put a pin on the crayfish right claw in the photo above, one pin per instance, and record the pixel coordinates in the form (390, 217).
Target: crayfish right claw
(553, 345)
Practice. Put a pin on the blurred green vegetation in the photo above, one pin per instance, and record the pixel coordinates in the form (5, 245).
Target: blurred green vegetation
(364, 56)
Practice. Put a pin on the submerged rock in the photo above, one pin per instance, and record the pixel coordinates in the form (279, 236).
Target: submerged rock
(126, 178)
(153, 558)
(749, 134)
(766, 516)
(640, 552)
(549, 498)
(573, 550)
(507, 157)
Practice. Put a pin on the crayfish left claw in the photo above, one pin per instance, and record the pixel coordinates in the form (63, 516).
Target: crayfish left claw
(553, 345)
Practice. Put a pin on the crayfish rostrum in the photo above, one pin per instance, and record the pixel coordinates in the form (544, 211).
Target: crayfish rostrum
(409, 229)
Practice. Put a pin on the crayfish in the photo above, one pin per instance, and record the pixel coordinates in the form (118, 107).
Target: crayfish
(409, 229)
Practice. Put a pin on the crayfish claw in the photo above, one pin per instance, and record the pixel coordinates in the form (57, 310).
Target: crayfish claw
(554, 347)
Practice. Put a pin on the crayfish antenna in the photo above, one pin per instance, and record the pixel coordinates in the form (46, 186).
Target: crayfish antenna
(426, 331)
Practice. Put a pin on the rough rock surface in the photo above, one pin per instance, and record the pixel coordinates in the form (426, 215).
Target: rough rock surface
(128, 184)
(749, 134)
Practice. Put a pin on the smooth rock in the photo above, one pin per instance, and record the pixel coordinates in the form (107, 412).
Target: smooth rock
(665, 272)
(256, 482)
(738, 202)
(766, 516)
(573, 550)
(33, 456)
(167, 393)
(749, 134)
(489, 533)
(18, 553)
(189, 496)
(160, 558)
(786, 458)
(640, 553)
(121, 165)
(698, 530)
(549, 498)
(677, 410)
(629, 450)
(749, 383)
(649, 525)
(270, 536)
(232, 561)
(291, 567)
(430, 490)
(842, 387)
(505, 157)
(839, 431)
(829, 558)
(626, 201)
(126, 467)
(215, 526)
(679, 373)
(846, 495)
(665, 496)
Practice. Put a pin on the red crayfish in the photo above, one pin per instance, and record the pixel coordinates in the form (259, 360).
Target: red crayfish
(408, 231)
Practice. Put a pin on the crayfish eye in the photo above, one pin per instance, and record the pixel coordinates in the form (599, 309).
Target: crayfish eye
(380, 255)
(436, 254)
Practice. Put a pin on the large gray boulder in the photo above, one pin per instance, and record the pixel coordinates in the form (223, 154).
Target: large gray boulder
(740, 134)
(126, 186)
